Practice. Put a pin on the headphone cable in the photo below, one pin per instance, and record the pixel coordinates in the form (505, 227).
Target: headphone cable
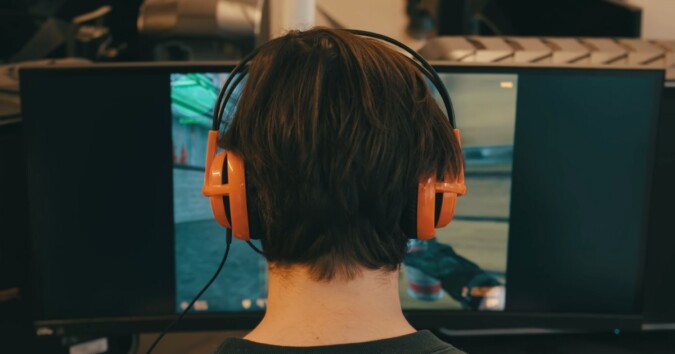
(228, 241)
(254, 248)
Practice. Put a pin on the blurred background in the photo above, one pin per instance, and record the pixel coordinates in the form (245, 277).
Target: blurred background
(132, 30)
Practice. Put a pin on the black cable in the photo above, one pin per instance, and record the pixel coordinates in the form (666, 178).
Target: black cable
(219, 99)
(230, 91)
(254, 248)
(228, 241)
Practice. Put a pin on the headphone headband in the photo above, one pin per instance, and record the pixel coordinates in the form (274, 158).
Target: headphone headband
(239, 71)
(431, 207)
(430, 72)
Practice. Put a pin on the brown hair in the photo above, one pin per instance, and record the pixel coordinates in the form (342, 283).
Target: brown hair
(336, 130)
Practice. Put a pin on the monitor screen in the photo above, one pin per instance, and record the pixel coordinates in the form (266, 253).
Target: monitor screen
(557, 165)
(487, 134)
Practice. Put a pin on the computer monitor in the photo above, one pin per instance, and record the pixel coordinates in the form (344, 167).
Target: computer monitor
(551, 234)
(659, 308)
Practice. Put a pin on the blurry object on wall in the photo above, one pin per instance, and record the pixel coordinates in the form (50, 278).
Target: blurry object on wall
(280, 16)
(48, 38)
(421, 21)
(88, 37)
(587, 18)
(36, 30)
(198, 29)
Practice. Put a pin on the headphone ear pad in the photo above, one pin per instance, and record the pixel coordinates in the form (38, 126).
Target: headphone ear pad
(408, 221)
(220, 204)
(238, 210)
(445, 209)
(426, 208)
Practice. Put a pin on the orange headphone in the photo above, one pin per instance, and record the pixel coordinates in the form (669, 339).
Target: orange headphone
(225, 176)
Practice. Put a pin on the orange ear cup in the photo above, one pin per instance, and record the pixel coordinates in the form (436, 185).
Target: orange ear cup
(426, 208)
(238, 208)
(426, 201)
(215, 178)
(235, 188)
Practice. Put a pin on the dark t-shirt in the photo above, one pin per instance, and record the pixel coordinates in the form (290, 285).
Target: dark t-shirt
(422, 342)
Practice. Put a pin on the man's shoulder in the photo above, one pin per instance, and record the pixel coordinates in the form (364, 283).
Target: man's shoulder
(418, 342)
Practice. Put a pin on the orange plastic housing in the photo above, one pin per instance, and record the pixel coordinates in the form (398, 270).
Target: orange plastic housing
(426, 200)
(235, 189)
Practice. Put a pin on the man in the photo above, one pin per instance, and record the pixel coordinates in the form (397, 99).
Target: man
(336, 131)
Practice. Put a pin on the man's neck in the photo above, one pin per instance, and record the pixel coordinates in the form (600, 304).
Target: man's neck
(305, 312)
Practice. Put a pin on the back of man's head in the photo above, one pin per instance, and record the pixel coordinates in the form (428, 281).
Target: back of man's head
(336, 131)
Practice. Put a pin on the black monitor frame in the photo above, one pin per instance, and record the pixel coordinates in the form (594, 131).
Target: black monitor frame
(659, 311)
(242, 321)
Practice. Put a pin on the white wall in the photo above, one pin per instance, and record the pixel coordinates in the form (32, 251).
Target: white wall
(285, 15)
(387, 17)
(658, 18)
